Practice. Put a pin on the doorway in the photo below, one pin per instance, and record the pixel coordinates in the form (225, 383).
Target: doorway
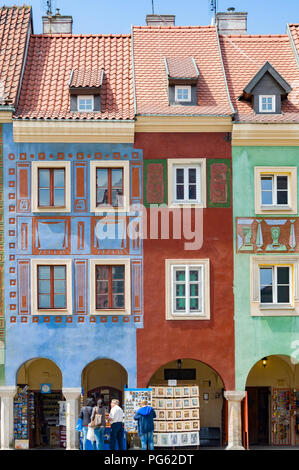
(258, 415)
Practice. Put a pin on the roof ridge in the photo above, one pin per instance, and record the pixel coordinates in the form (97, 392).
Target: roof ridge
(65, 35)
(262, 36)
(175, 27)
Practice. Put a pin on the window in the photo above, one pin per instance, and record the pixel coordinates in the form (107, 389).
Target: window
(51, 287)
(187, 289)
(110, 287)
(109, 182)
(275, 190)
(85, 103)
(183, 93)
(186, 182)
(110, 292)
(51, 282)
(51, 186)
(109, 186)
(267, 103)
(274, 285)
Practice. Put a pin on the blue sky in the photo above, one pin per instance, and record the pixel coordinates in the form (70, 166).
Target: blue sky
(116, 16)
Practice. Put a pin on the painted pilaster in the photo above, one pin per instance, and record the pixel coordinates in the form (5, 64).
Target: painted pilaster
(234, 399)
(72, 396)
(7, 416)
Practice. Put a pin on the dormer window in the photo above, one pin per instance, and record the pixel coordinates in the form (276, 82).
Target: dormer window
(183, 93)
(267, 104)
(85, 103)
(182, 76)
(266, 91)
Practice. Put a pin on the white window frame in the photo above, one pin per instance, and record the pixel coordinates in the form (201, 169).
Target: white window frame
(291, 207)
(170, 265)
(272, 110)
(92, 276)
(275, 190)
(67, 190)
(257, 308)
(186, 163)
(69, 287)
(274, 286)
(179, 87)
(93, 186)
(85, 97)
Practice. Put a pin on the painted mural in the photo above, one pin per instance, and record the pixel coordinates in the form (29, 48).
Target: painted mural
(75, 338)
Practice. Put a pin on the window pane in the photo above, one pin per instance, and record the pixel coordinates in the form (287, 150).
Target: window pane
(102, 178)
(59, 287)
(59, 178)
(44, 197)
(117, 287)
(180, 275)
(44, 178)
(180, 290)
(102, 287)
(59, 301)
(194, 290)
(180, 191)
(282, 182)
(44, 287)
(117, 178)
(59, 272)
(116, 197)
(44, 301)
(194, 304)
(192, 175)
(44, 272)
(266, 292)
(193, 274)
(58, 197)
(102, 272)
(282, 197)
(283, 275)
(283, 294)
(118, 272)
(180, 304)
(180, 175)
(267, 183)
(267, 197)
(192, 191)
(118, 301)
(101, 301)
(102, 196)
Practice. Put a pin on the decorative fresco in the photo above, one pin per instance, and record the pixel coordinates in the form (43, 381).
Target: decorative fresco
(267, 235)
(219, 182)
(155, 182)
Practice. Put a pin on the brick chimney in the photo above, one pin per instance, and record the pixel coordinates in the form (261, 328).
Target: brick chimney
(57, 24)
(232, 22)
(160, 20)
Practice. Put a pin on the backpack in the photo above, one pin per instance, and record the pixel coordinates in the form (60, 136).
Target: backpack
(97, 420)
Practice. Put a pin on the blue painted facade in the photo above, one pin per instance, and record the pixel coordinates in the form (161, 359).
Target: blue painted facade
(74, 340)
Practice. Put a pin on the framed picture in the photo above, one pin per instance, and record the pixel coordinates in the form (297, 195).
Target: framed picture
(179, 426)
(178, 414)
(154, 391)
(186, 414)
(162, 426)
(155, 439)
(186, 402)
(194, 391)
(195, 425)
(160, 392)
(174, 440)
(178, 404)
(177, 392)
(194, 439)
(169, 404)
(160, 402)
(194, 414)
(194, 402)
(187, 425)
(186, 392)
(169, 392)
(164, 440)
(184, 439)
(154, 403)
(170, 426)
(170, 415)
(161, 414)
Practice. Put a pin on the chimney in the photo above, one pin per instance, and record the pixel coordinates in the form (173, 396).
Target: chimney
(57, 24)
(232, 22)
(160, 20)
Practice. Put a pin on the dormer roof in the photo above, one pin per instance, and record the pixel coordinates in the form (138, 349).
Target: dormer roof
(86, 78)
(181, 69)
(268, 68)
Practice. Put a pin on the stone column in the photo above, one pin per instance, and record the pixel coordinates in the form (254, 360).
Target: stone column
(72, 396)
(7, 395)
(234, 399)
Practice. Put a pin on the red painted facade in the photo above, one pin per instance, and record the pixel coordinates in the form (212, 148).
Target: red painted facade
(210, 341)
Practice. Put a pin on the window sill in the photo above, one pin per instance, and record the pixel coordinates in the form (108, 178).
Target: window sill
(187, 205)
(111, 312)
(276, 208)
(51, 312)
(276, 307)
(187, 317)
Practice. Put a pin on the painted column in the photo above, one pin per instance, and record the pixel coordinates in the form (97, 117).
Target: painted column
(7, 417)
(234, 399)
(72, 396)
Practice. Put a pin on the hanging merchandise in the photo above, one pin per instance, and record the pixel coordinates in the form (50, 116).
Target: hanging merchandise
(281, 416)
(133, 399)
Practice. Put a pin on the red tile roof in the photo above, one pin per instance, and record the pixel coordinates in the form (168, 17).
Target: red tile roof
(14, 27)
(243, 56)
(51, 59)
(181, 67)
(153, 44)
(86, 78)
(294, 29)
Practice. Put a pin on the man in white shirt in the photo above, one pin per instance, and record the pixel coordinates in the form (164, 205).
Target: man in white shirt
(116, 419)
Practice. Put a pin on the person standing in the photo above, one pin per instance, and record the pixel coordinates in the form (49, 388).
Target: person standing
(116, 417)
(85, 415)
(100, 430)
(145, 425)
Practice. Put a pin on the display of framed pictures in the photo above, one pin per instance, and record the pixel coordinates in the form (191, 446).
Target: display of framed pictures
(132, 402)
(177, 416)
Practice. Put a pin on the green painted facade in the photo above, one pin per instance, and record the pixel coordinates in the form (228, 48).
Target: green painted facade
(256, 337)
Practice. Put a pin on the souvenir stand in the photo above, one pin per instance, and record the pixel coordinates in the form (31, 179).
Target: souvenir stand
(133, 398)
(177, 409)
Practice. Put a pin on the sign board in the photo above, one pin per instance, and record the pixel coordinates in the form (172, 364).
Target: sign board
(45, 388)
(172, 383)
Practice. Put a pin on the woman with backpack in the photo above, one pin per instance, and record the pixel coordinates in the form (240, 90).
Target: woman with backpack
(98, 424)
